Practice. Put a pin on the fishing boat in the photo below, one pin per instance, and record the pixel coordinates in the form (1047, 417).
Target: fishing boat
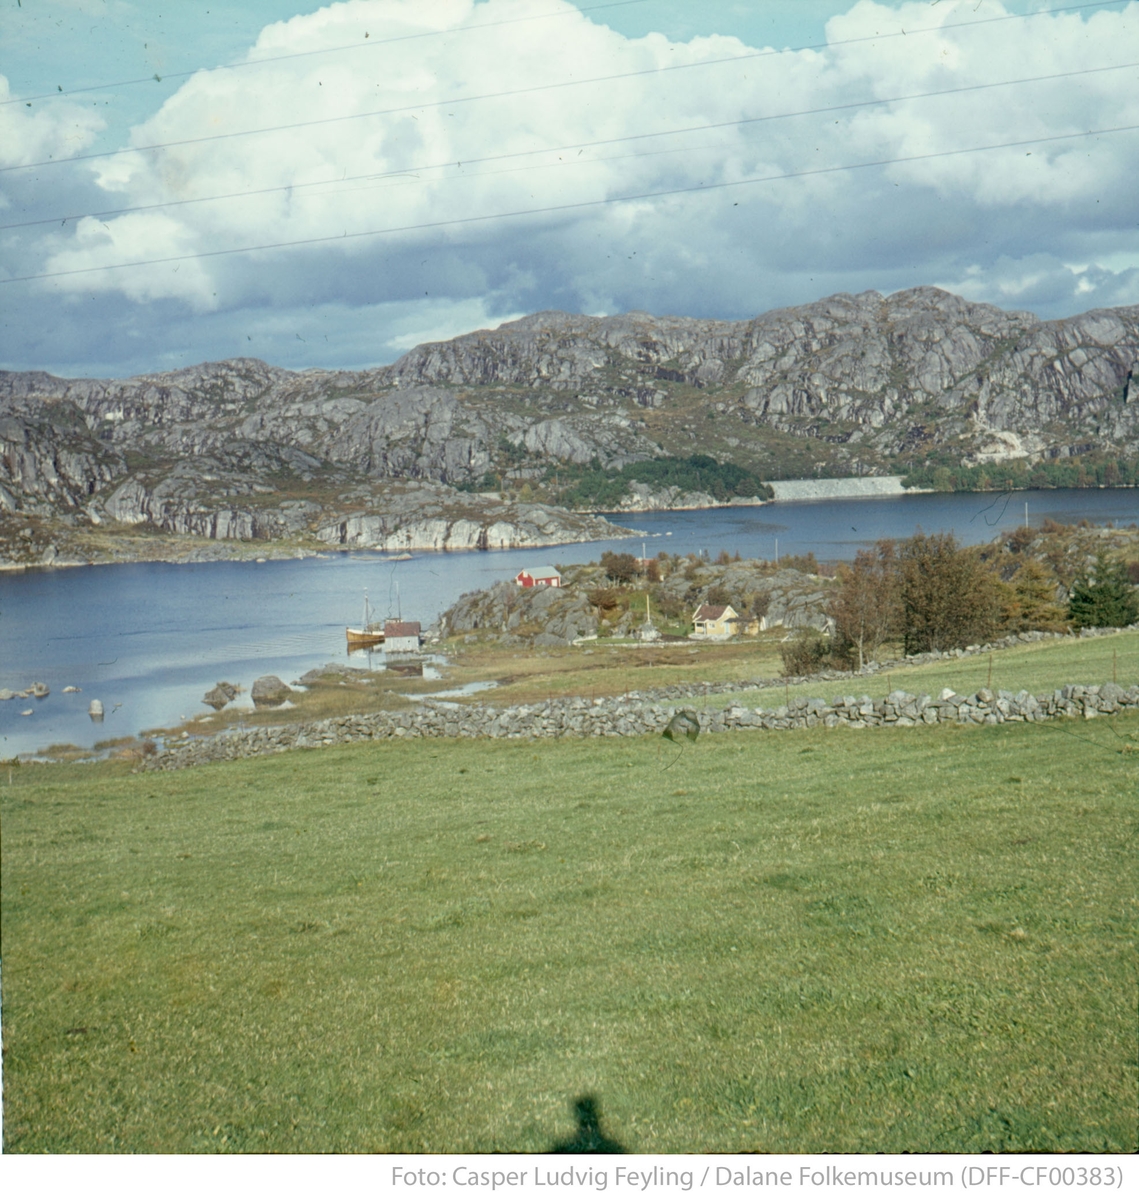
(369, 633)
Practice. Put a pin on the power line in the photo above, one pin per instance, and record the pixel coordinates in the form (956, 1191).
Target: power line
(569, 207)
(370, 176)
(545, 87)
(368, 45)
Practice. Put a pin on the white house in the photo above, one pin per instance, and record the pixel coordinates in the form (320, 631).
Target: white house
(401, 637)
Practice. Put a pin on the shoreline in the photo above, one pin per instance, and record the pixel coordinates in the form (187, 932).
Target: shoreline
(182, 549)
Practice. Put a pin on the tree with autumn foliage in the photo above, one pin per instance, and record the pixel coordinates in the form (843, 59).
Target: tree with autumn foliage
(949, 597)
(866, 608)
(1030, 600)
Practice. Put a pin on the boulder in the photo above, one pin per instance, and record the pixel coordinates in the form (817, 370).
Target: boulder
(219, 695)
(269, 690)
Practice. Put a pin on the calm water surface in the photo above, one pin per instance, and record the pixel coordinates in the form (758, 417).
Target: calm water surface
(149, 639)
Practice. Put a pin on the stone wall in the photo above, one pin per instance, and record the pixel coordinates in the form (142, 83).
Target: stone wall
(634, 714)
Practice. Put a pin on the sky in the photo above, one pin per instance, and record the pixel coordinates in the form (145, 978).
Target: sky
(328, 186)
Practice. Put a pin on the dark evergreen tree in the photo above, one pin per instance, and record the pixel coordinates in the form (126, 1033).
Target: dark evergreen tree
(1103, 597)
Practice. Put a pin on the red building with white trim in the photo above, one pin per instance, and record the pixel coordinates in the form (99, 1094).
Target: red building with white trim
(539, 577)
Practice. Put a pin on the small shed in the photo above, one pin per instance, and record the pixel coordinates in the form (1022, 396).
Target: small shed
(714, 621)
(539, 577)
(401, 637)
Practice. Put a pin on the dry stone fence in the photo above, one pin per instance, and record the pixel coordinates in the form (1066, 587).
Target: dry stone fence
(649, 711)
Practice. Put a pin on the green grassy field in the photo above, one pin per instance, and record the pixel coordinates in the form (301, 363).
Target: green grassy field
(826, 940)
(1035, 666)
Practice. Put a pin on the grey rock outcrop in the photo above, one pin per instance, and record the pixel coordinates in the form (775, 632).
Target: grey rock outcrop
(428, 516)
(515, 616)
(243, 450)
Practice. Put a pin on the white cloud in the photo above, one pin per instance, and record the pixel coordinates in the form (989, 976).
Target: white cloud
(720, 252)
(1041, 281)
(40, 130)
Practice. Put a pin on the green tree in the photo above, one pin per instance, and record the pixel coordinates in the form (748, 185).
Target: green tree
(949, 598)
(1103, 597)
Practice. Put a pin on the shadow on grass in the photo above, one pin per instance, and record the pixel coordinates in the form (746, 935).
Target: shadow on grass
(588, 1137)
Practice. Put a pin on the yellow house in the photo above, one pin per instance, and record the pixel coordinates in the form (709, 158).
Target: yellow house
(714, 621)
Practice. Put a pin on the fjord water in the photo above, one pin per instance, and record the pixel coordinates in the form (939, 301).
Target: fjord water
(149, 639)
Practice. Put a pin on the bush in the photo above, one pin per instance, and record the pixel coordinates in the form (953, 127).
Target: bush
(605, 599)
(807, 563)
(806, 654)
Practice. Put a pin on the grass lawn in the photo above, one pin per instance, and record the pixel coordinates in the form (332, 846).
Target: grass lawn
(827, 940)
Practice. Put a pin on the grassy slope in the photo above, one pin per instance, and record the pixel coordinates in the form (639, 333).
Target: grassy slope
(1036, 666)
(916, 939)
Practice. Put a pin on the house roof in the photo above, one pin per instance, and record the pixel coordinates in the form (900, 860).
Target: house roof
(541, 572)
(713, 612)
(395, 629)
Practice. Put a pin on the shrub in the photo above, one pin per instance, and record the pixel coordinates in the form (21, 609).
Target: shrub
(805, 654)
(605, 599)
(1020, 539)
(807, 563)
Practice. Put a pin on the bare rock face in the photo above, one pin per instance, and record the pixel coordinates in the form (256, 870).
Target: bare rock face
(431, 517)
(242, 450)
(522, 616)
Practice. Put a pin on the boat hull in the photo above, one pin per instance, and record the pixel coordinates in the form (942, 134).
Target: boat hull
(364, 637)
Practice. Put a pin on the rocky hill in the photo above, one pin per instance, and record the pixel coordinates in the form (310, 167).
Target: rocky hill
(538, 409)
(587, 604)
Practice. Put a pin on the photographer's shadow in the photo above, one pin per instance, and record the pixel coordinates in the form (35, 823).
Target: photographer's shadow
(588, 1138)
